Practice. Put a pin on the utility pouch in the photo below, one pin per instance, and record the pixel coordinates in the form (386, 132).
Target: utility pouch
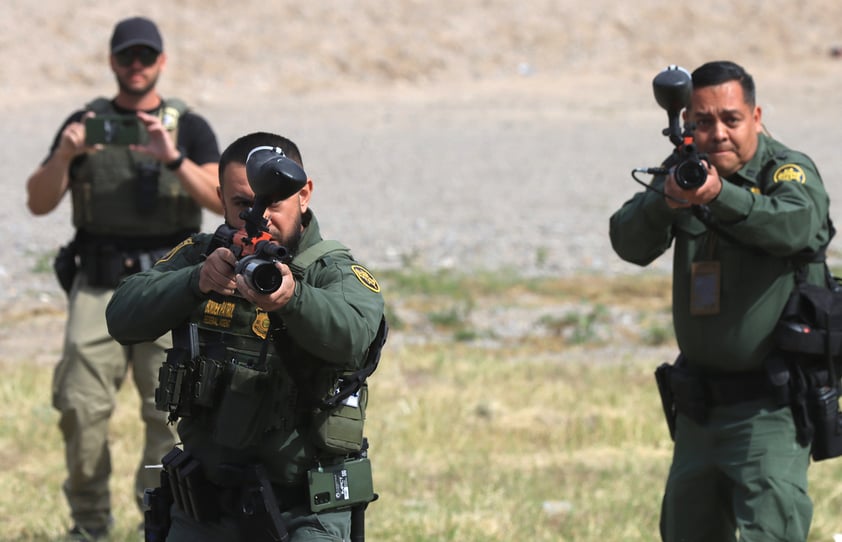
(239, 419)
(662, 379)
(823, 405)
(203, 500)
(66, 265)
(103, 265)
(175, 385)
(340, 486)
(339, 430)
(208, 372)
(191, 490)
(811, 325)
(811, 322)
(172, 463)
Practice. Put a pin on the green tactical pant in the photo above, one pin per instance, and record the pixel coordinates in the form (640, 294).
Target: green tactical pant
(302, 525)
(742, 472)
(85, 383)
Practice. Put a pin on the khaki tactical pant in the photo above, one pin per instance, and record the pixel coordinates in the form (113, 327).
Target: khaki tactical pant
(742, 472)
(302, 525)
(85, 383)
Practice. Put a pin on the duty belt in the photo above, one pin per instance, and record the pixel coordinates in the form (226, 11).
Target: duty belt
(732, 388)
(253, 502)
(694, 393)
(230, 481)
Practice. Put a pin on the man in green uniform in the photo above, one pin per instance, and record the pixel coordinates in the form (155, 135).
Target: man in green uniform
(737, 466)
(131, 204)
(261, 367)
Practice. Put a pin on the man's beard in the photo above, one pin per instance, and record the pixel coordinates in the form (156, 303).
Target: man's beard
(292, 239)
(137, 91)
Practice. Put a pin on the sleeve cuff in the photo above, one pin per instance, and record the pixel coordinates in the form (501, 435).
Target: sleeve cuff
(732, 204)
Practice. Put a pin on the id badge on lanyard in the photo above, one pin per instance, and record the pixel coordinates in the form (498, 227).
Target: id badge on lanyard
(705, 280)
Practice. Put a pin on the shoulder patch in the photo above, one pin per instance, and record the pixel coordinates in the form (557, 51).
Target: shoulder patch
(789, 172)
(366, 278)
(175, 249)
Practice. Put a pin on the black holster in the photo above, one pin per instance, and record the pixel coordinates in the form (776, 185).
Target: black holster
(689, 392)
(662, 379)
(66, 265)
(681, 390)
(156, 516)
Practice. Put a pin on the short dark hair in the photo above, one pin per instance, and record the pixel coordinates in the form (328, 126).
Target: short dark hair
(722, 71)
(239, 150)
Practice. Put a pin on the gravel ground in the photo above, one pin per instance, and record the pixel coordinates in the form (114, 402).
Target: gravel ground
(470, 139)
(518, 176)
(494, 177)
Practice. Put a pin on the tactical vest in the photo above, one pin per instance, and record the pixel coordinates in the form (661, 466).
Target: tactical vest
(122, 193)
(243, 388)
(248, 388)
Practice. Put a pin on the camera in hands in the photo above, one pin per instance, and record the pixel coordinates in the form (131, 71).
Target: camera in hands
(115, 130)
(273, 177)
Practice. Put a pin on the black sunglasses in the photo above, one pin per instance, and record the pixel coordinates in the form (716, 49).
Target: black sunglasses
(146, 55)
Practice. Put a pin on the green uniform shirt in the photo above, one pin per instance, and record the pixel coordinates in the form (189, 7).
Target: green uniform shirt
(772, 209)
(331, 321)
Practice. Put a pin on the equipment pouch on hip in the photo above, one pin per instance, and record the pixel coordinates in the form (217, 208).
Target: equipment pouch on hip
(103, 265)
(239, 420)
(340, 486)
(823, 409)
(340, 430)
(208, 372)
(191, 490)
(811, 322)
(174, 393)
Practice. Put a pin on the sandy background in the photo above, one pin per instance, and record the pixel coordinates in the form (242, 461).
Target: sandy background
(477, 134)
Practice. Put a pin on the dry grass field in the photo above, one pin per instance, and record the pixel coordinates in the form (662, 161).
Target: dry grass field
(550, 432)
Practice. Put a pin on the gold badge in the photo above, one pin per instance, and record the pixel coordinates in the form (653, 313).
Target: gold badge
(789, 172)
(260, 326)
(171, 253)
(366, 278)
(169, 118)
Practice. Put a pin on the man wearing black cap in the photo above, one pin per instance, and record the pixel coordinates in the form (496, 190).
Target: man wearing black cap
(138, 186)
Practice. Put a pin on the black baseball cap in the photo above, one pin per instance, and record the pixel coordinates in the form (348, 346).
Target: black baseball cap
(136, 31)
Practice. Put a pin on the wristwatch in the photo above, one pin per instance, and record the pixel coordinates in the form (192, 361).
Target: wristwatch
(175, 164)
